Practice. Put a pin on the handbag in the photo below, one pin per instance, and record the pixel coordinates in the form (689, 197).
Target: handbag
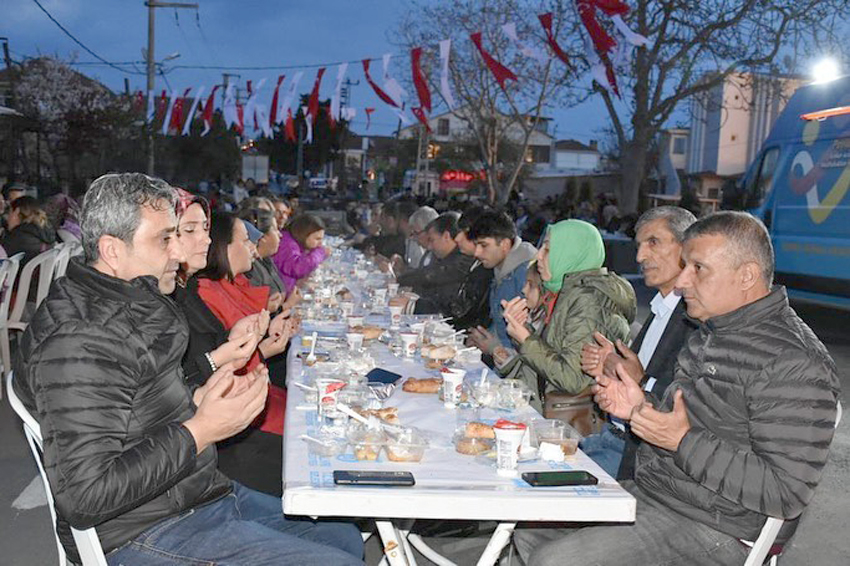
(579, 410)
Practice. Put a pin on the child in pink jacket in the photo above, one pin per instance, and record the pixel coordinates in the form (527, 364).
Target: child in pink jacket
(300, 251)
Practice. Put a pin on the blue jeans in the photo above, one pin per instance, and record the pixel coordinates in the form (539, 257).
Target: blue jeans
(605, 449)
(245, 527)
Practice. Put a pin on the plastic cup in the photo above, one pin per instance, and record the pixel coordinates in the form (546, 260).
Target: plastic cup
(408, 343)
(347, 308)
(355, 341)
(452, 387)
(392, 289)
(354, 321)
(395, 316)
(508, 441)
(418, 328)
(328, 393)
(380, 296)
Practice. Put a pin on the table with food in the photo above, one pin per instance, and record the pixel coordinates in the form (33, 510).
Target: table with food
(390, 417)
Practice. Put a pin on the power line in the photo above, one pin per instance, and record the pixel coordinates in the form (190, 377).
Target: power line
(78, 42)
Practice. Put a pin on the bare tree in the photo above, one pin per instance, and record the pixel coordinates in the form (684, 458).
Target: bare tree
(694, 46)
(495, 117)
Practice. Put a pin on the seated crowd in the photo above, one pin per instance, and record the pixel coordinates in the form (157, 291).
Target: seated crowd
(156, 368)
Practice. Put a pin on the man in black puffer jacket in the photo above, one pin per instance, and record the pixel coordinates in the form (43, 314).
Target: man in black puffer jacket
(128, 448)
(742, 433)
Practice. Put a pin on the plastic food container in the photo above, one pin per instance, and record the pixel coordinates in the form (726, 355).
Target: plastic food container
(407, 446)
(367, 444)
(513, 394)
(330, 446)
(472, 446)
(553, 431)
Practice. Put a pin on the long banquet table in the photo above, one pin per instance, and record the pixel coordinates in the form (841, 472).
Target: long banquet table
(449, 485)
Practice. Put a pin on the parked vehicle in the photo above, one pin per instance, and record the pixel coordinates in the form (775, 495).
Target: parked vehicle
(798, 186)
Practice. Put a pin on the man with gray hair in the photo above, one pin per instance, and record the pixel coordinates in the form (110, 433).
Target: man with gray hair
(416, 252)
(660, 232)
(128, 448)
(743, 432)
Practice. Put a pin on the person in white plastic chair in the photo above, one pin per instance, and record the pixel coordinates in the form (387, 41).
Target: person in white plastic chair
(742, 433)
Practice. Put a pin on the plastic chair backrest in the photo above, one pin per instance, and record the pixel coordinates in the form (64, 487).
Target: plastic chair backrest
(88, 545)
(63, 257)
(761, 547)
(45, 262)
(8, 273)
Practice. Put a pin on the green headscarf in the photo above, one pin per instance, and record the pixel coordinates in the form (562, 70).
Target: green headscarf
(574, 246)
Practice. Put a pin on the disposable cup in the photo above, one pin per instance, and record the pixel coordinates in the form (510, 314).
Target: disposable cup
(395, 316)
(328, 392)
(355, 341)
(347, 308)
(452, 387)
(380, 296)
(508, 441)
(408, 343)
(354, 321)
(392, 289)
(418, 328)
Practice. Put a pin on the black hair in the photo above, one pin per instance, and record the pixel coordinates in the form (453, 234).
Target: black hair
(221, 234)
(469, 216)
(446, 222)
(492, 224)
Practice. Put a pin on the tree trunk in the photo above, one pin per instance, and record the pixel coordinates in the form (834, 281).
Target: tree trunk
(632, 171)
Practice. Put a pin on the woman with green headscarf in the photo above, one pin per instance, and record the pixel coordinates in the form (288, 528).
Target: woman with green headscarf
(582, 297)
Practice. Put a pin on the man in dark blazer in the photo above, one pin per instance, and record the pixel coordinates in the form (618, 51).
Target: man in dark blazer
(655, 349)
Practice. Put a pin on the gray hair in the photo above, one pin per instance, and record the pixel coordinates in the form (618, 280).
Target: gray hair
(678, 219)
(747, 239)
(423, 216)
(113, 207)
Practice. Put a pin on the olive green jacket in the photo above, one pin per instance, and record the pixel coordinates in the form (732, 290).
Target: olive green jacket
(591, 300)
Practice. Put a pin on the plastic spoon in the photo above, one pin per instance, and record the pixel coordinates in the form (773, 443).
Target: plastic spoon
(483, 379)
(311, 357)
(304, 386)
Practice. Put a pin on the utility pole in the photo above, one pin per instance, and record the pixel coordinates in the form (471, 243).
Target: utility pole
(152, 6)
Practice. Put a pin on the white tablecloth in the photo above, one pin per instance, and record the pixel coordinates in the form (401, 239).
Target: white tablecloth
(449, 485)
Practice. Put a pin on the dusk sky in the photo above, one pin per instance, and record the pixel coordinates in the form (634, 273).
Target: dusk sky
(239, 34)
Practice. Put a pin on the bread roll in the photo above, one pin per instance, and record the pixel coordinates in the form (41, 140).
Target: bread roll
(426, 385)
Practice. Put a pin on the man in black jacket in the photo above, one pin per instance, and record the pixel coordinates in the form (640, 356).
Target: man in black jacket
(437, 284)
(660, 232)
(128, 448)
(470, 307)
(742, 433)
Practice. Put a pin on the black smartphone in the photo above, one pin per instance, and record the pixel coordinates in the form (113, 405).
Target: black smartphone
(566, 477)
(365, 477)
(382, 376)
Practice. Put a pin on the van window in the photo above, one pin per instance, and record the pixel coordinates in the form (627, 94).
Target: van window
(759, 183)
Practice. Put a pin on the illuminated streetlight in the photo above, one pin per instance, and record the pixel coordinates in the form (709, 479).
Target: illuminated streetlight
(825, 70)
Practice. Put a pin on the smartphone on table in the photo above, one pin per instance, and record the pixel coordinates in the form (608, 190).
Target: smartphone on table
(559, 478)
(367, 477)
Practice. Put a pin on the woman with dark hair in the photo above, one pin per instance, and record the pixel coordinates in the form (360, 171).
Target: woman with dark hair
(300, 251)
(217, 298)
(29, 229)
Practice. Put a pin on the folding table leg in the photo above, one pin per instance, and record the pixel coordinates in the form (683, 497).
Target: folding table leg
(394, 548)
(501, 537)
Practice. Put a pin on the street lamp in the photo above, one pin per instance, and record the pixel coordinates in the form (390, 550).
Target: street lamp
(825, 70)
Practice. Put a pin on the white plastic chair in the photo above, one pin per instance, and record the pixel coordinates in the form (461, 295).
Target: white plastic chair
(63, 257)
(45, 262)
(8, 272)
(761, 547)
(86, 541)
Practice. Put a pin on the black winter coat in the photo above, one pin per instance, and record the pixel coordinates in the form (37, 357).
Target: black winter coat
(99, 368)
(438, 283)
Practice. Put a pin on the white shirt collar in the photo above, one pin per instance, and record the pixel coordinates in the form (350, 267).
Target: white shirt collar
(662, 306)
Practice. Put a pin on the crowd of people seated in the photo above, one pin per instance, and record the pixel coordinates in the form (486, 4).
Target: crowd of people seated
(157, 367)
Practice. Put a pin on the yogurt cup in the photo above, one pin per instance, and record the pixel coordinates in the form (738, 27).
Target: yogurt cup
(392, 289)
(347, 308)
(452, 386)
(327, 395)
(408, 343)
(395, 316)
(509, 437)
